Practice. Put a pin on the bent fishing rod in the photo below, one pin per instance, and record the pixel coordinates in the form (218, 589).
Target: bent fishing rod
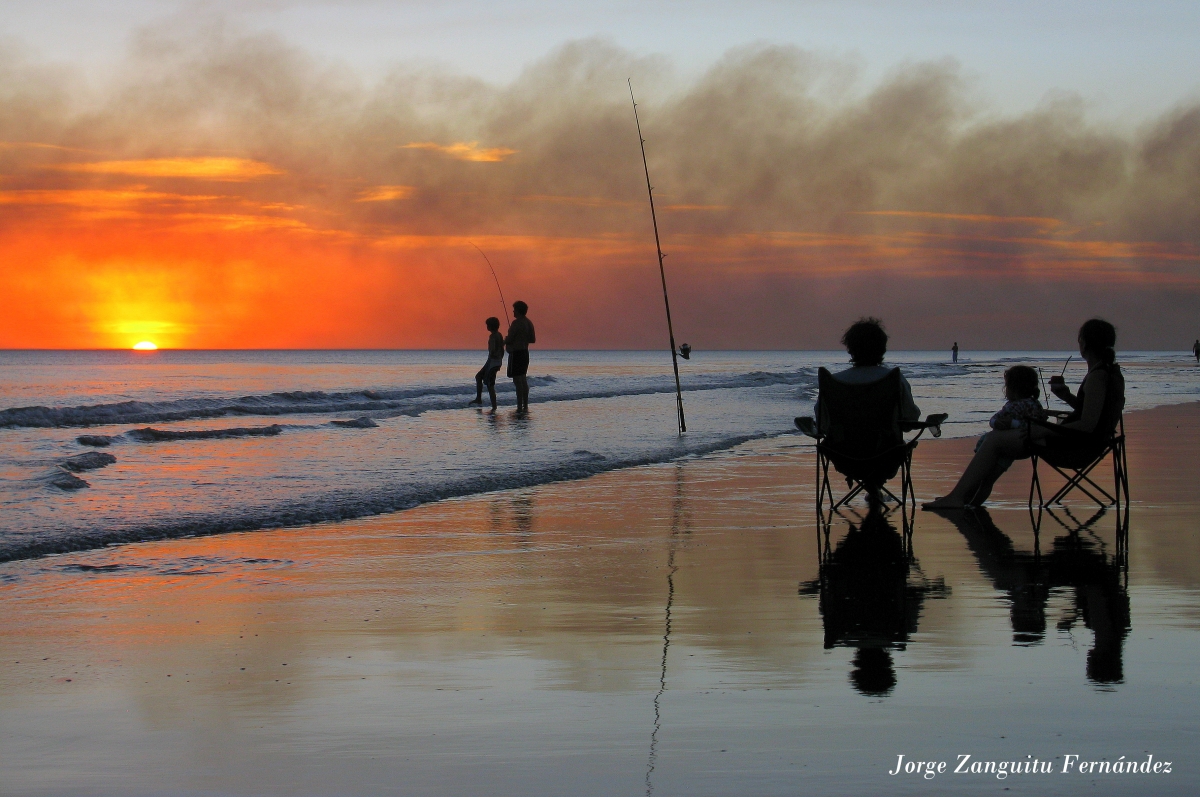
(503, 303)
(661, 271)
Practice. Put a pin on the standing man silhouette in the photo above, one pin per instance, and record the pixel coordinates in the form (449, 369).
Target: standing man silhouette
(520, 335)
(1196, 351)
(954, 352)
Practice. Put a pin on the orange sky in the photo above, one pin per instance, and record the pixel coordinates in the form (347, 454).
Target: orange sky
(241, 194)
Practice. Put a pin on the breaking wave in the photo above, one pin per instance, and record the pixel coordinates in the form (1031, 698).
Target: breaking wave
(341, 505)
(368, 403)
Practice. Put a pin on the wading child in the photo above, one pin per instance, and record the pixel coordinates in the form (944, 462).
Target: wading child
(487, 374)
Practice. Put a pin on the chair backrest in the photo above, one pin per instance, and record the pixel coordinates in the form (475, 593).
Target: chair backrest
(860, 420)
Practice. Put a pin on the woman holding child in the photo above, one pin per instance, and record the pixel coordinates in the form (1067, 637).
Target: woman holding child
(1095, 412)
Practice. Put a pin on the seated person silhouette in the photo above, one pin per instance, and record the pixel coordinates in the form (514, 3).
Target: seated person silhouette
(1083, 434)
(866, 342)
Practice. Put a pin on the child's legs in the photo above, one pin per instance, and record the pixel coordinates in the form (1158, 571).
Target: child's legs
(995, 446)
(490, 381)
(480, 379)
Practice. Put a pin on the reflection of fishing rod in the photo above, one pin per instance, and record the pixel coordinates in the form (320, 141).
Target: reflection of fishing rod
(676, 516)
(503, 303)
(661, 272)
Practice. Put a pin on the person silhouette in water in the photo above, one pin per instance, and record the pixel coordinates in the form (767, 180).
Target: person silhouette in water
(487, 374)
(520, 335)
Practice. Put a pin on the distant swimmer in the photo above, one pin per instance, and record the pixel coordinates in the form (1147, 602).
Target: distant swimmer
(495, 359)
(1196, 351)
(520, 335)
(954, 352)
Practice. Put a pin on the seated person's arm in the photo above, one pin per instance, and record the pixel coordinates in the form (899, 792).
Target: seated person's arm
(1096, 388)
(1059, 388)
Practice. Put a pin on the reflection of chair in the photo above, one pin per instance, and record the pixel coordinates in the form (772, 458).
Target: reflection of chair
(1074, 455)
(860, 432)
(1079, 561)
(871, 591)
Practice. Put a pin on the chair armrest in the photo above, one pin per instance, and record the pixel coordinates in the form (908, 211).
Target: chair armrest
(808, 426)
(932, 422)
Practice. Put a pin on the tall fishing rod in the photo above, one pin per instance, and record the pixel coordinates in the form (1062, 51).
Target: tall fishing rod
(661, 271)
(503, 303)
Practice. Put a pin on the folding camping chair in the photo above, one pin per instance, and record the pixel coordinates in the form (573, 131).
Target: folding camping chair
(860, 432)
(1074, 456)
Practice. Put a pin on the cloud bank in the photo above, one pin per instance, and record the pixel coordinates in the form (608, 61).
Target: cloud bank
(233, 190)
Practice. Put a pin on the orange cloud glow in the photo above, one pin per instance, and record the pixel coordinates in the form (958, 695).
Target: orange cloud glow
(386, 193)
(902, 201)
(233, 169)
(465, 151)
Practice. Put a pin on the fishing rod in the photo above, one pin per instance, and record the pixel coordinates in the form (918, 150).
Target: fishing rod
(503, 303)
(661, 271)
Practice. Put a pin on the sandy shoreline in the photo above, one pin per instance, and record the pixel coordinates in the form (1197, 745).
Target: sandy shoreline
(637, 631)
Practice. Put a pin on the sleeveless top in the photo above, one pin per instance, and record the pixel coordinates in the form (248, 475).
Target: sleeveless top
(1114, 402)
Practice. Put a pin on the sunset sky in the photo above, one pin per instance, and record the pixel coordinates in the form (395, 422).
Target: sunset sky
(315, 174)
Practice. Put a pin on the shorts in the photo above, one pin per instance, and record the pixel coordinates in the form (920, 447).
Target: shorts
(518, 363)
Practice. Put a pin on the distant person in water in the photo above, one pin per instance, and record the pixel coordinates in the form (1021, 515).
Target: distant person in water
(520, 335)
(954, 352)
(1196, 350)
(495, 359)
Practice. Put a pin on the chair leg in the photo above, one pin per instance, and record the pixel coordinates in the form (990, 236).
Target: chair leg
(820, 483)
(1035, 483)
(847, 498)
(909, 495)
(1075, 482)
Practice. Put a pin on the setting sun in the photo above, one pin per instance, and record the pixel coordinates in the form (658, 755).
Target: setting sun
(145, 345)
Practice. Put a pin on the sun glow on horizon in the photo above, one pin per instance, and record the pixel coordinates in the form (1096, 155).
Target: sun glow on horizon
(145, 345)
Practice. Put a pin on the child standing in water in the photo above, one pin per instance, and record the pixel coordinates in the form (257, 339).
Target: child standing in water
(487, 374)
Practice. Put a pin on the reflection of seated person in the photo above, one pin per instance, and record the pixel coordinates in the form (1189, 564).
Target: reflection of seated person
(866, 342)
(1074, 561)
(1100, 601)
(868, 602)
(1097, 409)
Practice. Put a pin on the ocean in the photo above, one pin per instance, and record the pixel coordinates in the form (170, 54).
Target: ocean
(108, 447)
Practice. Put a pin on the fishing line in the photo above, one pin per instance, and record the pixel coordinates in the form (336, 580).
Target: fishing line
(503, 302)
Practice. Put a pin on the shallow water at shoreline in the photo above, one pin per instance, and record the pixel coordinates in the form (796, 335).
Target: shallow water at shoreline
(211, 442)
(660, 630)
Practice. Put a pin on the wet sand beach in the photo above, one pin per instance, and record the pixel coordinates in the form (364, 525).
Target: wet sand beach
(665, 629)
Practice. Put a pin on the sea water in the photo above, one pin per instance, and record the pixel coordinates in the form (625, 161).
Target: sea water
(103, 447)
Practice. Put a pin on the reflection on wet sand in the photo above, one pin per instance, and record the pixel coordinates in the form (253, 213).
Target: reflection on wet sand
(639, 631)
(1079, 561)
(680, 524)
(871, 591)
